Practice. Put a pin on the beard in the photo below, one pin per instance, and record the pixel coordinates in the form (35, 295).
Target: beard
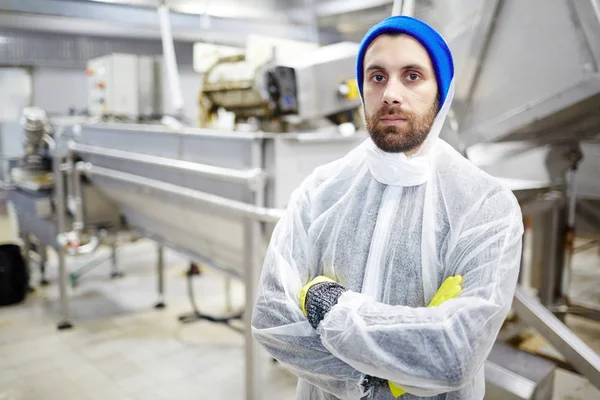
(394, 139)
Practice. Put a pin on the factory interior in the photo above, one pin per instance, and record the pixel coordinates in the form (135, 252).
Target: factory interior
(150, 147)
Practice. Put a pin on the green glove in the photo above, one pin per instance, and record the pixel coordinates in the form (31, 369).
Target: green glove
(450, 289)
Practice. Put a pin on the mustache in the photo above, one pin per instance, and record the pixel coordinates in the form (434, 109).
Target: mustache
(393, 110)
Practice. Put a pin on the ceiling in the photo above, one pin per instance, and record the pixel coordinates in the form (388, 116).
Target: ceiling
(225, 21)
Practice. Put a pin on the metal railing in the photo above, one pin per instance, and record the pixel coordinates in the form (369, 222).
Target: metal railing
(236, 207)
(252, 177)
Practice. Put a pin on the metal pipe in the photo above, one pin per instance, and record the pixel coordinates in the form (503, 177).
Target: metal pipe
(59, 194)
(71, 207)
(114, 266)
(170, 59)
(161, 276)
(533, 313)
(551, 248)
(236, 207)
(408, 8)
(43, 252)
(77, 199)
(253, 177)
(252, 279)
(27, 255)
(570, 232)
(253, 231)
(313, 24)
(49, 141)
(70, 241)
(397, 7)
(228, 302)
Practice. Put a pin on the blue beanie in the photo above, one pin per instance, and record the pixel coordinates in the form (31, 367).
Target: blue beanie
(436, 46)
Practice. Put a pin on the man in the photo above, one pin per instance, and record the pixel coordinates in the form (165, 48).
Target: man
(381, 229)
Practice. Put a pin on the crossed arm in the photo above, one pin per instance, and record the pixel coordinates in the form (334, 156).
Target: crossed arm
(427, 351)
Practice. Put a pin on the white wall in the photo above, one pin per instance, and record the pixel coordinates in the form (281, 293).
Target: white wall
(15, 92)
(190, 86)
(58, 89)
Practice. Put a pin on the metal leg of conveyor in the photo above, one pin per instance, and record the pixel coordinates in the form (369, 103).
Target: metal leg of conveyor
(27, 257)
(43, 251)
(64, 299)
(60, 201)
(114, 266)
(161, 277)
(228, 302)
(252, 277)
(581, 356)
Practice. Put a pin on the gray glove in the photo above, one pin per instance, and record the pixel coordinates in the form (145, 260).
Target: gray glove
(320, 298)
(372, 381)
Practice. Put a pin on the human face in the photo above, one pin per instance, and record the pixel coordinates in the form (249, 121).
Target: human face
(400, 93)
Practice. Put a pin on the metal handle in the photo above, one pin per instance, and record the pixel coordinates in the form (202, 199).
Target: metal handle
(237, 207)
(253, 177)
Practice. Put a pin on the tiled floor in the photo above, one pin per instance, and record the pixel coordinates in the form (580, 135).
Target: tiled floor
(122, 348)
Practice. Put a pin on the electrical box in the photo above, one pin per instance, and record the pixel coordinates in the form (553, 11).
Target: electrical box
(124, 85)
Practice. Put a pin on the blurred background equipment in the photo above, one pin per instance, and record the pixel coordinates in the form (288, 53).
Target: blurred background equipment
(185, 126)
(124, 85)
(283, 85)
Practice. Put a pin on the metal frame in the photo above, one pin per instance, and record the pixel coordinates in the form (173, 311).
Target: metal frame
(554, 116)
(534, 314)
(254, 215)
(528, 308)
(61, 216)
(539, 109)
(481, 39)
(235, 207)
(254, 177)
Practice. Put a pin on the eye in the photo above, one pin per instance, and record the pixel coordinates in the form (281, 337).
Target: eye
(413, 77)
(378, 78)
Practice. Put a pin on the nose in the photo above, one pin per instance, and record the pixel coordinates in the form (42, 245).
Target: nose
(393, 94)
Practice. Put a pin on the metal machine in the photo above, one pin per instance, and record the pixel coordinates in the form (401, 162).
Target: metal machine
(292, 87)
(125, 86)
(526, 110)
(220, 192)
(527, 95)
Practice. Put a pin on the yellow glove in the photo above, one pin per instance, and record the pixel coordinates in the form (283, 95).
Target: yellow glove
(450, 289)
(304, 291)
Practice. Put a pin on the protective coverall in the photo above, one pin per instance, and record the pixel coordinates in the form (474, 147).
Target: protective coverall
(391, 229)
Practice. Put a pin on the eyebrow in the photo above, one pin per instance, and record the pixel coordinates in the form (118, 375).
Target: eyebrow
(377, 67)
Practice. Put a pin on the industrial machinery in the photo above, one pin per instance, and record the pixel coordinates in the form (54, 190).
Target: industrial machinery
(535, 119)
(293, 87)
(125, 86)
(36, 191)
(526, 110)
(220, 192)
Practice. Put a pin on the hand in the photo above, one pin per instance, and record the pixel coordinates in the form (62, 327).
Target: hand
(318, 297)
(450, 289)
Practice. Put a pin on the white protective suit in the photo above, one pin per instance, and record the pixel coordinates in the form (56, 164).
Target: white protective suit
(390, 229)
